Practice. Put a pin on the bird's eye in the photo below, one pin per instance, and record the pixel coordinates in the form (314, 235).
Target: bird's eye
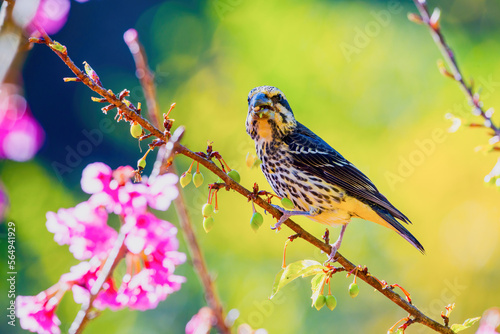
(277, 98)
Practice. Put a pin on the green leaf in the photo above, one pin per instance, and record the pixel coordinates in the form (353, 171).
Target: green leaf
(467, 323)
(294, 270)
(317, 284)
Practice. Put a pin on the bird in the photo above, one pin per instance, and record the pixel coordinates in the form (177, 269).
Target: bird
(300, 166)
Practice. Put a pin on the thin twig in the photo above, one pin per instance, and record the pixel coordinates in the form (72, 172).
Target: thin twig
(417, 315)
(143, 73)
(163, 162)
(432, 22)
(115, 256)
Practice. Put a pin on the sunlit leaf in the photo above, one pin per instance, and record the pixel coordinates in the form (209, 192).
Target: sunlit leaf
(467, 323)
(302, 268)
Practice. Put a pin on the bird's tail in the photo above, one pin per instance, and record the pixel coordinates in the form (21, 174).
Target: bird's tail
(402, 231)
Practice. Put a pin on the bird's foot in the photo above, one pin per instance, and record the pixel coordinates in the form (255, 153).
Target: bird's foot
(282, 219)
(285, 215)
(336, 246)
(333, 252)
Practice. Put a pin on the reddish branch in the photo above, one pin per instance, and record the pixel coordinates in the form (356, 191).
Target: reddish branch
(143, 73)
(114, 257)
(128, 113)
(146, 78)
(432, 21)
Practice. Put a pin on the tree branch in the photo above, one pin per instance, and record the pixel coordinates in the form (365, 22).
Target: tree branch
(128, 113)
(165, 154)
(115, 256)
(143, 73)
(432, 22)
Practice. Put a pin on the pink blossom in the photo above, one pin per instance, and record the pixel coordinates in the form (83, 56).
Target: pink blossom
(201, 322)
(36, 313)
(20, 134)
(82, 278)
(151, 242)
(114, 190)
(96, 178)
(51, 15)
(84, 228)
(162, 191)
(140, 292)
(154, 241)
(490, 321)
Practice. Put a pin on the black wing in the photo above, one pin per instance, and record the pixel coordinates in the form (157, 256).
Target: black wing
(312, 154)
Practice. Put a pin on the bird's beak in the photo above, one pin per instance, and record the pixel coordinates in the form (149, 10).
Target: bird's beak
(260, 106)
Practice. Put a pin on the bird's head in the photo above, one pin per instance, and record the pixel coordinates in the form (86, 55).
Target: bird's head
(269, 114)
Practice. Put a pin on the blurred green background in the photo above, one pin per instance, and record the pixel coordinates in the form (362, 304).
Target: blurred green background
(358, 73)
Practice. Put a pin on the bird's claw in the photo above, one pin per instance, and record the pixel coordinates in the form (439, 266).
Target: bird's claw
(331, 257)
(277, 226)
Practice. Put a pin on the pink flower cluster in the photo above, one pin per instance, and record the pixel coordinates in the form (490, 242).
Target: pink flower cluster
(151, 246)
(20, 134)
(201, 322)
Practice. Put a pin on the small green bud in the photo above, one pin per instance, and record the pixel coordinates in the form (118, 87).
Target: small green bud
(233, 173)
(141, 163)
(256, 221)
(208, 223)
(331, 302)
(287, 204)
(136, 130)
(219, 180)
(198, 179)
(254, 226)
(207, 210)
(320, 302)
(353, 290)
(58, 47)
(185, 179)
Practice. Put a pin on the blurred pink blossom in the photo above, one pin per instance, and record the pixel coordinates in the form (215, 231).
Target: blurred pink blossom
(20, 134)
(36, 313)
(201, 322)
(51, 15)
(151, 244)
(122, 197)
(490, 321)
(82, 277)
(84, 228)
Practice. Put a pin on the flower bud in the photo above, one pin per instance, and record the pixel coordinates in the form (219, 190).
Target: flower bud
(208, 223)
(141, 163)
(331, 302)
(136, 130)
(256, 221)
(198, 179)
(320, 302)
(207, 210)
(287, 204)
(353, 290)
(185, 179)
(233, 173)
